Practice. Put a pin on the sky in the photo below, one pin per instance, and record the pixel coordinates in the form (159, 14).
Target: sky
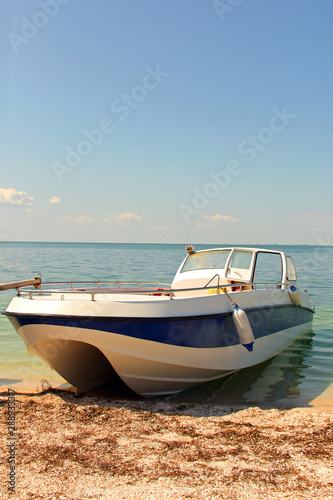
(173, 121)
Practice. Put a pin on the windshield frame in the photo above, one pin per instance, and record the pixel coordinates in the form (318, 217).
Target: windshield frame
(203, 255)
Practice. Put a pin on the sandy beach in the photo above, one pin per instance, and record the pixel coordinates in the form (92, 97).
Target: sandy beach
(76, 446)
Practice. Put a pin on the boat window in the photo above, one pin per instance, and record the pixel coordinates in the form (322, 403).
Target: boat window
(241, 260)
(291, 271)
(239, 266)
(268, 268)
(206, 260)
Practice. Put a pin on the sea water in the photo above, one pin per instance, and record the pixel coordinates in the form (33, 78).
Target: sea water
(297, 376)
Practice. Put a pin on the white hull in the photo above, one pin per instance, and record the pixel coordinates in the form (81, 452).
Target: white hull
(148, 368)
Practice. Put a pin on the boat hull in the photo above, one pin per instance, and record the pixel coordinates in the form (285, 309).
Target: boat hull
(158, 355)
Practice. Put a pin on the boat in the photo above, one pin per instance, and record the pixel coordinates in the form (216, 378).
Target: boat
(226, 309)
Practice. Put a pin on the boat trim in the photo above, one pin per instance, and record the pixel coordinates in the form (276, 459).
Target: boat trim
(146, 318)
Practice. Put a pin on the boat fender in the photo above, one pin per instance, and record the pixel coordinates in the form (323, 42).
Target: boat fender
(294, 295)
(243, 327)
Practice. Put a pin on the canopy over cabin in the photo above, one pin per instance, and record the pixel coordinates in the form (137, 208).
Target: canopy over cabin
(222, 266)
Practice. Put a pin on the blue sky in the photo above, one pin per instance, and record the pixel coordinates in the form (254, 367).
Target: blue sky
(166, 121)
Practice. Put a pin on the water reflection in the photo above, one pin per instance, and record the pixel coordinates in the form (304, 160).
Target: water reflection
(274, 381)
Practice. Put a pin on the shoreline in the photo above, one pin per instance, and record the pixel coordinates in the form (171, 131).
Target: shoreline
(77, 446)
(56, 383)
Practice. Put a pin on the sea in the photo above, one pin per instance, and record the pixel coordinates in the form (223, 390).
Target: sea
(302, 375)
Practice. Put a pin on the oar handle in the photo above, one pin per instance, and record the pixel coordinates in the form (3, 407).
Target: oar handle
(36, 282)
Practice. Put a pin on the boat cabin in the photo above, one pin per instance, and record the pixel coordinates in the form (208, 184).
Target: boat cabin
(239, 268)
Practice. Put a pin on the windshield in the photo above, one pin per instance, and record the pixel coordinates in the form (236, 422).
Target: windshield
(215, 259)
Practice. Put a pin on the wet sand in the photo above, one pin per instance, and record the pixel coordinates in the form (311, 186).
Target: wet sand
(74, 446)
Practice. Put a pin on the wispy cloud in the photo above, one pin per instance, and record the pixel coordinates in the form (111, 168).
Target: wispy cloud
(217, 219)
(124, 217)
(55, 200)
(80, 219)
(10, 196)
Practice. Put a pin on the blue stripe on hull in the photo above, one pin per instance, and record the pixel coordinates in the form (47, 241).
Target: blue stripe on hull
(196, 331)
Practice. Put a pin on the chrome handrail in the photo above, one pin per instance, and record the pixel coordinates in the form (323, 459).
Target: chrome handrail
(139, 290)
(218, 281)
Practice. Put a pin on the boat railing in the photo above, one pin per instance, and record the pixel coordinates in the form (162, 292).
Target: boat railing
(138, 287)
(212, 279)
(100, 284)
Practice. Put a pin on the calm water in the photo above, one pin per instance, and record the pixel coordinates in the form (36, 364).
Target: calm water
(295, 377)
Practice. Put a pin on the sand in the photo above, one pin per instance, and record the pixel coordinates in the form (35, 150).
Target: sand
(73, 446)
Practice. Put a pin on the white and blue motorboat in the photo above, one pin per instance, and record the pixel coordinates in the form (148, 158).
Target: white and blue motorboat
(226, 309)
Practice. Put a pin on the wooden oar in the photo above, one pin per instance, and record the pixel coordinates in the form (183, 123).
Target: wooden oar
(36, 282)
